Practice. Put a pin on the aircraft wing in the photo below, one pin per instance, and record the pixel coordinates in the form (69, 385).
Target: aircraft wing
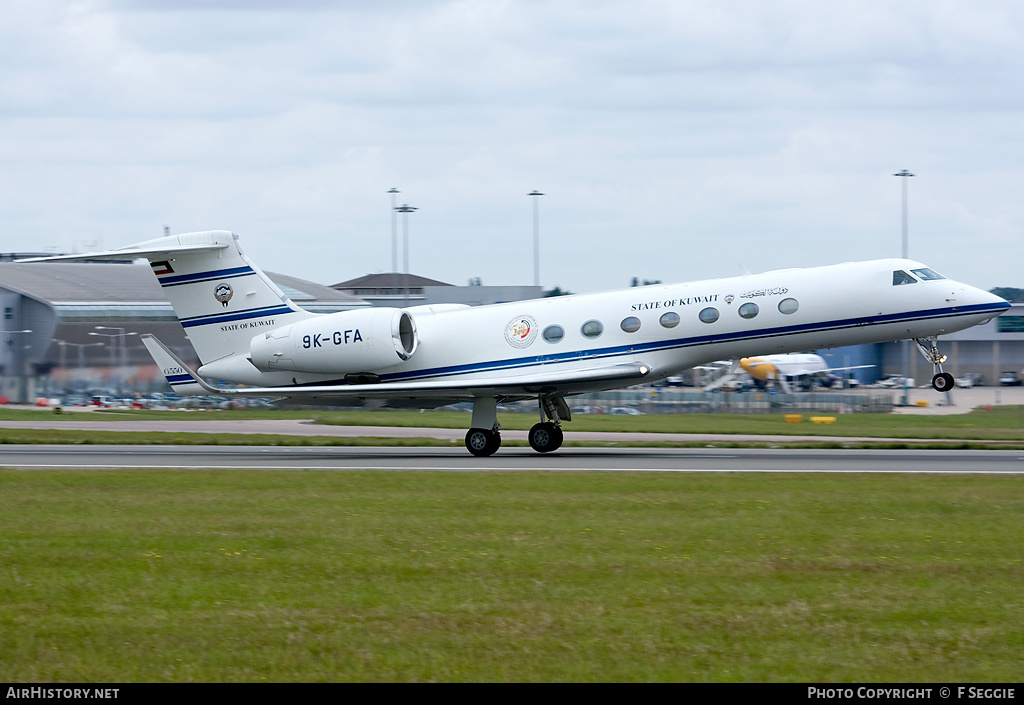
(840, 369)
(129, 253)
(184, 381)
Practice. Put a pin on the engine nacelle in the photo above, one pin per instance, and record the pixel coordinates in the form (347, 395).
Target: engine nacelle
(338, 343)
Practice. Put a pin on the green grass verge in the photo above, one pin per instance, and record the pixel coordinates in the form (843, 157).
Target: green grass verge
(998, 427)
(257, 576)
(997, 423)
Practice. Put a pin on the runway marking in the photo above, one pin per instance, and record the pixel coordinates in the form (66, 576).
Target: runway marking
(389, 468)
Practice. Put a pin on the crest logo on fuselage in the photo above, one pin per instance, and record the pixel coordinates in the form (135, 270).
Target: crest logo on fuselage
(223, 293)
(521, 331)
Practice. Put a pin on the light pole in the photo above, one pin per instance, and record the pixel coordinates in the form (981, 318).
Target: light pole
(17, 363)
(536, 236)
(904, 175)
(405, 210)
(394, 238)
(122, 336)
(81, 359)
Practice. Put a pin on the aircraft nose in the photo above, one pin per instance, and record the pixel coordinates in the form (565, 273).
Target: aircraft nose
(987, 297)
(984, 301)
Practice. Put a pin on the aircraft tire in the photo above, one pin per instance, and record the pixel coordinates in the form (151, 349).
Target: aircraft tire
(943, 382)
(482, 442)
(545, 437)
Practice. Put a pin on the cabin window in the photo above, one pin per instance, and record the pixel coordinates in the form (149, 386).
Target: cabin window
(788, 306)
(553, 334)
(592, 329)
(630, 324)
(927, 274)
(901, 277)
(709, 315)
(669, 320)
(748, 310)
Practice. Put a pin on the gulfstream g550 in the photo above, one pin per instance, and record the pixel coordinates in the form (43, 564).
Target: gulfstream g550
(246, 331)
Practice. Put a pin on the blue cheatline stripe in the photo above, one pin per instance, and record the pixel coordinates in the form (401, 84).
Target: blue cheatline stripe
(678, 343)
(205, 276)
(179, 379)
(218, 318)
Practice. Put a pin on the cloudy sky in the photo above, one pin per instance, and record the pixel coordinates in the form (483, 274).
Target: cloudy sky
(673, 139)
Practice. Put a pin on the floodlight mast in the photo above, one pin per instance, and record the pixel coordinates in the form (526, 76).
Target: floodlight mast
(536, 236)
(905, 252)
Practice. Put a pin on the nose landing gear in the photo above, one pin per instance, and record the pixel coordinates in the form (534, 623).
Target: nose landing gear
(941, 381)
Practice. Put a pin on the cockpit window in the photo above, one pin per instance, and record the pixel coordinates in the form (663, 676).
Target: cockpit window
(927, 274)
(901, 277)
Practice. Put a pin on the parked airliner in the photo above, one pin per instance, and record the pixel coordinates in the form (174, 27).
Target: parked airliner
(247, 332)
(802, 369)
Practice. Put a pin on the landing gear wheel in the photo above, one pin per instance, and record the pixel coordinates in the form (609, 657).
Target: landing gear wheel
(482, 442)
(545, 437)
(943, 382)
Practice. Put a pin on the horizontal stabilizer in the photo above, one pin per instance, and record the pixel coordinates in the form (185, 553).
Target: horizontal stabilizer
(182, 379)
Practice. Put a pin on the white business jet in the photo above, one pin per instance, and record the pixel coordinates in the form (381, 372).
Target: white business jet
(246, 331)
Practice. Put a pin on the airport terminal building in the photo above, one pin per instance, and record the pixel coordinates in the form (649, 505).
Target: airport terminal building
(73, 328)
(401, 290)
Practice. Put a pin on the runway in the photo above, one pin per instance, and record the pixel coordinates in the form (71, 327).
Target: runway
(456, 459)
(754, 460)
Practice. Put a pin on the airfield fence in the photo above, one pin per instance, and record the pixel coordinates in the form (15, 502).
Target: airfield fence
(671, 401)
(753, 402)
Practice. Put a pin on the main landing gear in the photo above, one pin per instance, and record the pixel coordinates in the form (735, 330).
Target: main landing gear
(484, 438)
(941, 381)
(482, 441)
(547, 435)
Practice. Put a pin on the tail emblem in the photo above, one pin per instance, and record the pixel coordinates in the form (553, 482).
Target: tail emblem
(223, 293)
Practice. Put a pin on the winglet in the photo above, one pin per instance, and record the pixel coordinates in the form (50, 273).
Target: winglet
(182, 379)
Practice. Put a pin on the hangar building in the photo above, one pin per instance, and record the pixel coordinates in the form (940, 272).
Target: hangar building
(75, 326)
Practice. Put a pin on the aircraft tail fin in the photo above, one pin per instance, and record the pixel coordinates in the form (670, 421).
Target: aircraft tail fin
(220, 297)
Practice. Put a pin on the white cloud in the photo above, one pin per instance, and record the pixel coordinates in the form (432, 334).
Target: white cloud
(672, 138)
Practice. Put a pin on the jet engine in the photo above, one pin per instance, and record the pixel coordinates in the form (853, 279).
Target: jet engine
(338, 343)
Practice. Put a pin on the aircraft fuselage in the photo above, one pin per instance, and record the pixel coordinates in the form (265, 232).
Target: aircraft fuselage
(670, 327)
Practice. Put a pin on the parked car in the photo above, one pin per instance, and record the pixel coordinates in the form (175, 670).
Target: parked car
(896, 381)
(1009, 379)
(971, 379)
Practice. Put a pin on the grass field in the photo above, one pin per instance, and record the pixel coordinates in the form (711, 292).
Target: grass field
(127, 576)
(267, 576)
